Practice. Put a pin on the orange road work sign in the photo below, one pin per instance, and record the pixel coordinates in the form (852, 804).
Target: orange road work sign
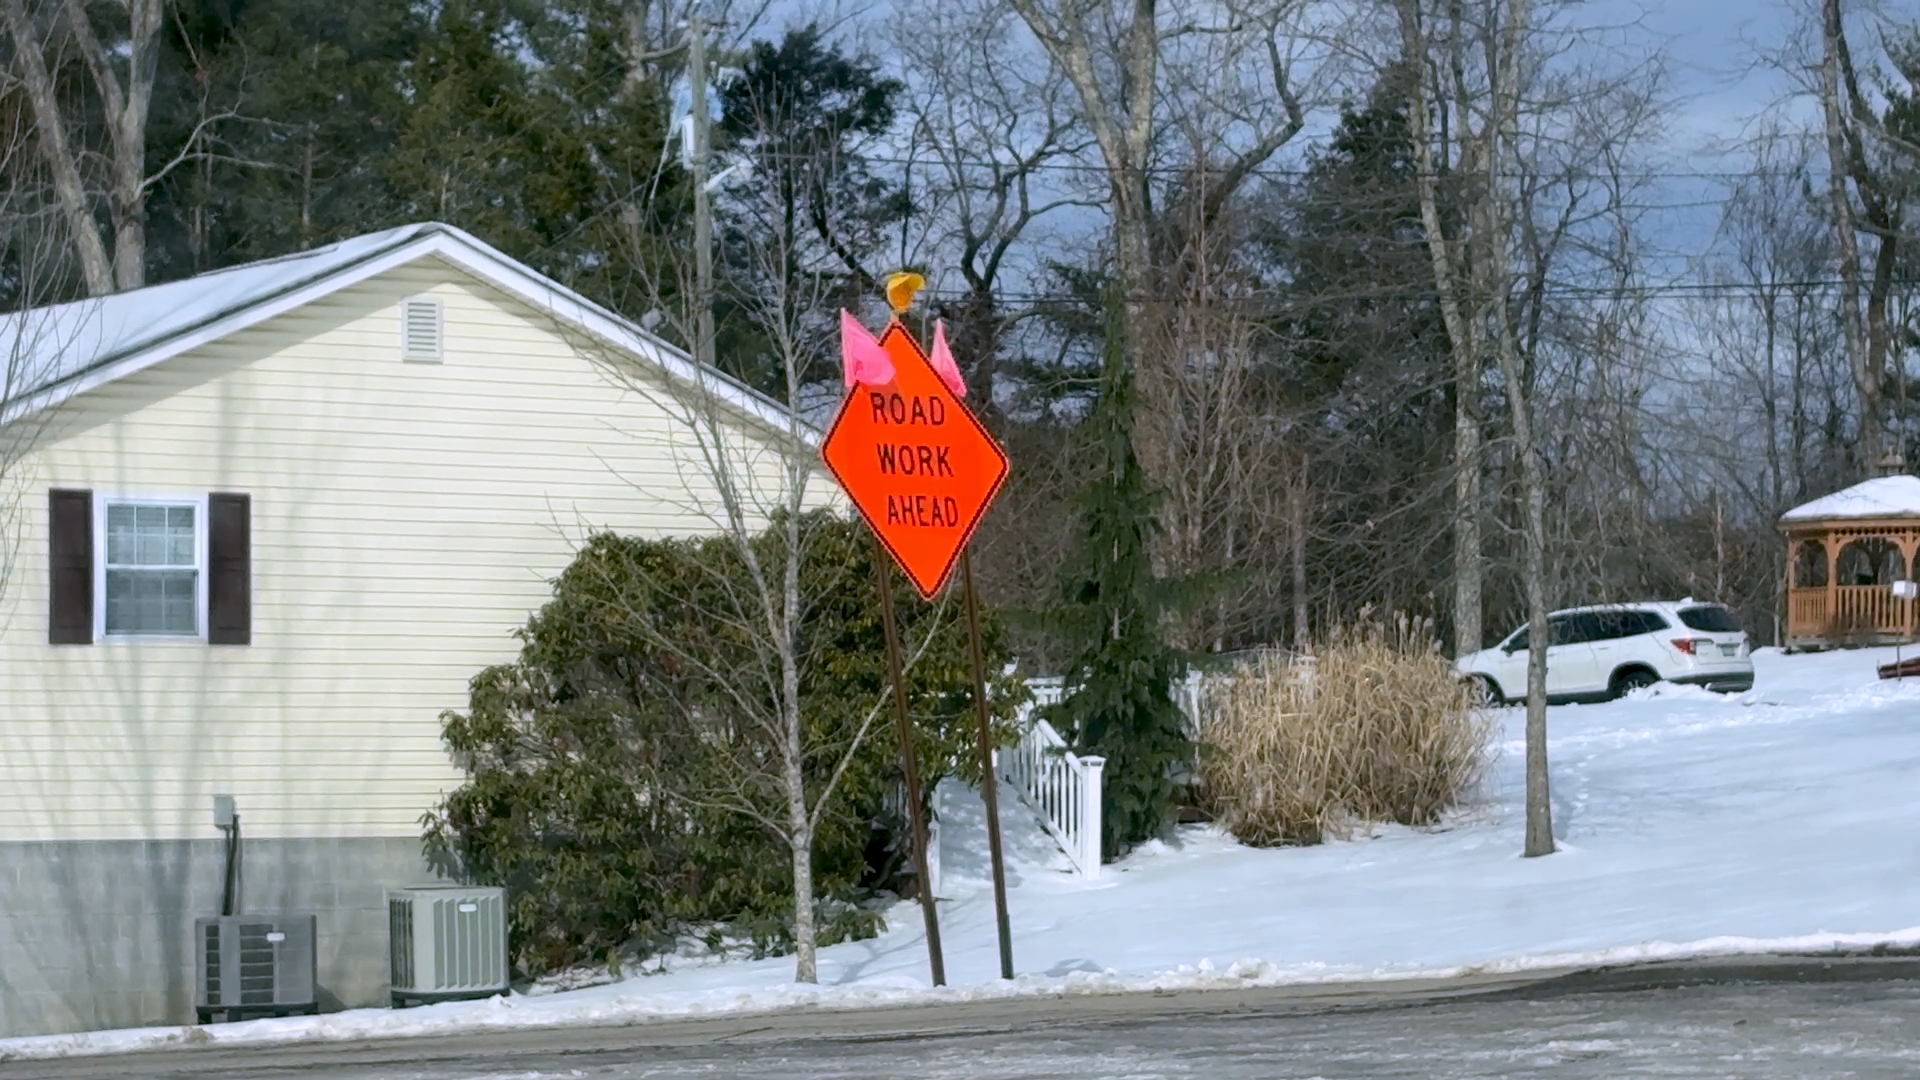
(916, 462)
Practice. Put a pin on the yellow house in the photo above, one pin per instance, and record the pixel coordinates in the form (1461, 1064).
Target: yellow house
(260, 528)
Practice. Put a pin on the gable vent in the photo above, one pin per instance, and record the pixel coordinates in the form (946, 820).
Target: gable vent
(420, 324)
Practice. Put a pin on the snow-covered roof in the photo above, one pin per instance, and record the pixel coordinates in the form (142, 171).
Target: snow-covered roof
(1882, 497)
(68, 349)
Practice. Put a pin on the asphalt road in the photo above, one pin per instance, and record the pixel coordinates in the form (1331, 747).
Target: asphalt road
(1818, 1020)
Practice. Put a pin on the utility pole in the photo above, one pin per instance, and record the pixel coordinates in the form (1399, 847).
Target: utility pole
(698, 119)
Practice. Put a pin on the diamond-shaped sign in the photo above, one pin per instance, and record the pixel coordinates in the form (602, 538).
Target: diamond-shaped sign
(916, 462)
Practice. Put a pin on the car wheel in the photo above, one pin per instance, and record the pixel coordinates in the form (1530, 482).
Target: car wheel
(1632, 679)
(1485, 693)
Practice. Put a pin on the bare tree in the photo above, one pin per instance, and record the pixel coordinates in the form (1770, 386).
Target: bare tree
(1777, 380)
(992, 113)
(750, 468)
(39, 35)
(1474, 278)
(1593, 353)
(1460, 266)
(36, 337)
(1871, 135)
(1234, 493)
(1845, 159)
(752, 474)
(1116, 57)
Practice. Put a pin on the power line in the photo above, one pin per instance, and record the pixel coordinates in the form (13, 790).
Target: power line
(1279, 299)
(1205, 169)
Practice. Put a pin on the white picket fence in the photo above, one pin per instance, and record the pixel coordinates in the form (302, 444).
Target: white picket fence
(1062, 787)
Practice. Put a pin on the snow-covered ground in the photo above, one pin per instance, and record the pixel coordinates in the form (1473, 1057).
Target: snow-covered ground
(1786, 818)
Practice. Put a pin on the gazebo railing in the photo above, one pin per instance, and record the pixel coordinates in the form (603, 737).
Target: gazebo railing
(1871, 608)
(1807, 611)
(1870, 611)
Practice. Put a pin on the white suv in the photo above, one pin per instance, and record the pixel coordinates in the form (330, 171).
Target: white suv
(1600, 653)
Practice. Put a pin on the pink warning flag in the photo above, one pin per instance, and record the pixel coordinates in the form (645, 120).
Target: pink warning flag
(943, 364)
(862, 360)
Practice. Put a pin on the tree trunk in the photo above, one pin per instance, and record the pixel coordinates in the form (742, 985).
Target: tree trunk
(1539, 839)
(51, 127)
(1297, 536)
(1469, 559)
(126, 108)
(976, 343)
(638, 54)
(806, 965)
(1503, 131)
(1866, 379)
(125, 111)
(1879, 344)
(800, 832)
(800, 820)
(1461, 317)
(128, 200)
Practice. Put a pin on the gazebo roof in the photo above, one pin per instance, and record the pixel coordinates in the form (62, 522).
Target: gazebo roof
(1879, 498)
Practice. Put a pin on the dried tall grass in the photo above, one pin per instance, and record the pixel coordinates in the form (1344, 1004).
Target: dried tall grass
(1377, 727)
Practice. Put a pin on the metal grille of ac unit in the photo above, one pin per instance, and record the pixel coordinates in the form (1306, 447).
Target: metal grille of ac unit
(447, 942)
(254, 965)
(400, 939)
(257, 964)
(210, 965)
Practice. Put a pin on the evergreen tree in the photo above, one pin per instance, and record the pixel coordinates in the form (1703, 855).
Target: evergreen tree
(514, 121)
(819, 215)
(1364, 369)
(1111, 617)
(321, 94)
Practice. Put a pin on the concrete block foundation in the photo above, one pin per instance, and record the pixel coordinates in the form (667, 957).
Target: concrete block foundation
(97, 934)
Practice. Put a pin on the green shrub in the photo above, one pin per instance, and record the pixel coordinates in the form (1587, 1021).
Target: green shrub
(618, 788)
(1377, 728)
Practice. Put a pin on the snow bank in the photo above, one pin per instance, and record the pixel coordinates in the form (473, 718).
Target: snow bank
(1692, 825)
(518, 1012)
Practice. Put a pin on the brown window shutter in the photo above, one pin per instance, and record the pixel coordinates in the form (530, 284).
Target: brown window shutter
(69, 567)
(229, 569)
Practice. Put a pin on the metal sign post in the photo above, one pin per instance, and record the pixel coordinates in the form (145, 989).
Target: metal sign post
(909, 769)
(922, 470)
(989, 782)
(1904, 592)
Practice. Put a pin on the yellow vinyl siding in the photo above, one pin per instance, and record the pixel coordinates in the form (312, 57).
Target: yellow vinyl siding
(406, 518)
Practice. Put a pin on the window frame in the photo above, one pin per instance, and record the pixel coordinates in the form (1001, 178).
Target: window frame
(101, 501)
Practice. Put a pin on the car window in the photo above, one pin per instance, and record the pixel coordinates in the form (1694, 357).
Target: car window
(1643, 622)
(1565, 630)
(1586, 626)
(1712, 618)
(1612, 624)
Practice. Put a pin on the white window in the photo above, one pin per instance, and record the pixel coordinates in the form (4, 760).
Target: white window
(420, 325)
(152, 568)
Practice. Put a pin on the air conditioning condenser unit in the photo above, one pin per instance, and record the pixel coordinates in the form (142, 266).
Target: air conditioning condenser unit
(448, 943)
(254, 965)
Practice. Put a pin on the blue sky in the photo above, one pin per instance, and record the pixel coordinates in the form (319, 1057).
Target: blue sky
(1714, 75)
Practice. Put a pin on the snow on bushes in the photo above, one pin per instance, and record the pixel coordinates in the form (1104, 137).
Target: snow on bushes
(1377, 727)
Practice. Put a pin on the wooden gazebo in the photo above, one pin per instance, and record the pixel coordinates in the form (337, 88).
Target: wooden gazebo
(1844, 552)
